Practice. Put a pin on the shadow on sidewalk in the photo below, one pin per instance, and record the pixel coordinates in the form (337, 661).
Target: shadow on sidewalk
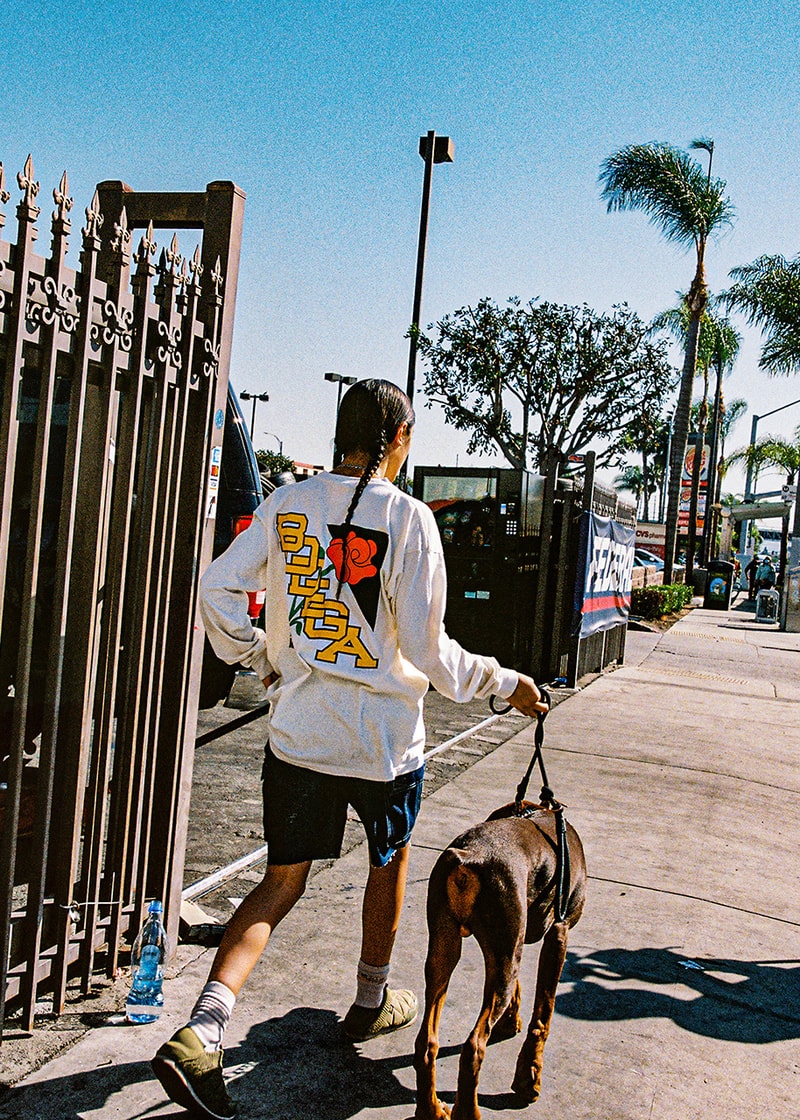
(296, 1065)
(735, 1001)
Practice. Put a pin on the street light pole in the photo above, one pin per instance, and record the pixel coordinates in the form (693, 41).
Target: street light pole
(339, 379)
(254, 397)
(433, 149)
(280, 441)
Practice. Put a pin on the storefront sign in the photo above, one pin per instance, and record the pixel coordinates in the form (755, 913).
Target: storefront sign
(686, 485)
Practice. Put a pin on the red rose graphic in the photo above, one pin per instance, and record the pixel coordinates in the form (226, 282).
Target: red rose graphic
(358, 563)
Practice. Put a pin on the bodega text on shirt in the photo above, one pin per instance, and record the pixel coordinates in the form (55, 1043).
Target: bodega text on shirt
(323, 620)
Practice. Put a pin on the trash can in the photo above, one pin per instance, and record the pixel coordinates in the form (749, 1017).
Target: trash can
(719, 584)
(767, 603)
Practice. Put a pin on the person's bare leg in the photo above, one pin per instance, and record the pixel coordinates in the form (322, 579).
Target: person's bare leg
(252, 924)
(381, 909)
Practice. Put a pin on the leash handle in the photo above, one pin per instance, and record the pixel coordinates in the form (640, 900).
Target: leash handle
(545, 695)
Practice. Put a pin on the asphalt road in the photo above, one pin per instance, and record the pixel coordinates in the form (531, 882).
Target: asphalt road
(225, 814)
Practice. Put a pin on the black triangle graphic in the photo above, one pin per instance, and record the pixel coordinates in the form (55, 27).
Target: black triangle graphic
(366, 588)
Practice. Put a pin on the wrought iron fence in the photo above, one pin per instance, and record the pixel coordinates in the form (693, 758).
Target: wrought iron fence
(114, 379)
(559, 652)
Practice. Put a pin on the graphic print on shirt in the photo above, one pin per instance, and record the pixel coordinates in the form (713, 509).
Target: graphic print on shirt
(312, 613)
(366, 551)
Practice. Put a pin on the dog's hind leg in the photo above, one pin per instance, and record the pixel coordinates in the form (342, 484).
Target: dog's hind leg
(528, 1073)
(444, 952)
(510, 1022)
(499, 989)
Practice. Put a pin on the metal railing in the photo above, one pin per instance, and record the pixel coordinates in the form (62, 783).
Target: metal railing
(114, 380)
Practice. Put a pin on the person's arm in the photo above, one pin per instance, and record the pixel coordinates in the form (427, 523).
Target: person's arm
(527, 698)
(224, 589)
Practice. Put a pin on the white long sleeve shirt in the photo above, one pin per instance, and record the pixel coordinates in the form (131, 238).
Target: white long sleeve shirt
(353, 669)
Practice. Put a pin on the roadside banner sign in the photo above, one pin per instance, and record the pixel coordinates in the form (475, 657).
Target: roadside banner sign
(605, 573)
(686, 484)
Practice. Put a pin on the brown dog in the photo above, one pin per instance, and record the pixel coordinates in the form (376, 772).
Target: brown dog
(498, 882)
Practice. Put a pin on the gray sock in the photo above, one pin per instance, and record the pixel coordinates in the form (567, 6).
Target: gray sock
(211, 1014)
(371, 980)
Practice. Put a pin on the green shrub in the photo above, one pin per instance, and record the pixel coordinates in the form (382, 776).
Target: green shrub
(655, 602)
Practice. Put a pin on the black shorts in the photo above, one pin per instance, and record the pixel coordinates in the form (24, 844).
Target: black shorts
(305, 812)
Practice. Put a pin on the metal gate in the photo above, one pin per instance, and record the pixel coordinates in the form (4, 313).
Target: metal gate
(560, 653)
(114, 380)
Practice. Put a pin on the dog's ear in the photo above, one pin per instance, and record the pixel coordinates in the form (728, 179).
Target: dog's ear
(504, 811)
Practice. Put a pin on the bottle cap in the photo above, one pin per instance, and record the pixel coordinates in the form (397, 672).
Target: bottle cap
(156, 906)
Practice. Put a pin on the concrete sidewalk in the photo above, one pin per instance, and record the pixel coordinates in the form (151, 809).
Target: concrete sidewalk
(680, 999)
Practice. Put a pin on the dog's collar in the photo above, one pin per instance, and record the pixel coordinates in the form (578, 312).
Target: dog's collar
(532, 810)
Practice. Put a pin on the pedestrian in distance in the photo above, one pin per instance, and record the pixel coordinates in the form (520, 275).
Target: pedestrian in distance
(750, 572)
(355, 598)
(765, 574)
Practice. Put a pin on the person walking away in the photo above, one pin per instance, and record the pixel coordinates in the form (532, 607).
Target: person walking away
(750, 572)
(765, 574)
(353, 635)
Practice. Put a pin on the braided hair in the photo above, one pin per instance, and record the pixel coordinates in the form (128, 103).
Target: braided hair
(370, 415)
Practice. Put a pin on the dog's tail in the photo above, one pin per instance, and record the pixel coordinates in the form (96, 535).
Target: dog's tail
(463, 887)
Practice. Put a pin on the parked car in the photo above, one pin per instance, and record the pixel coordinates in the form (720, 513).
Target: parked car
(240, 493)
(644, 559)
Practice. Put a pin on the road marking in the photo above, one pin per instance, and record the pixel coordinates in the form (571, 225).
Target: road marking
(696, 675)
(707, 636)
(205, 886)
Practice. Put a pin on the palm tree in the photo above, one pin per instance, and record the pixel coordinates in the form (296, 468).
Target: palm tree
(689, 207)
(646, 435)
(772, 451)
(635, 481)
(767, 293)
(728, 501)
(717, 349)
(677, 321)
(725, 342)
(731, 414)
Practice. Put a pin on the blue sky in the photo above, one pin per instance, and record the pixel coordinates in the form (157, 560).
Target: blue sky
(315, 110)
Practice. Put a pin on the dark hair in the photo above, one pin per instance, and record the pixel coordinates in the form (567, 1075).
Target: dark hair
(369, 417)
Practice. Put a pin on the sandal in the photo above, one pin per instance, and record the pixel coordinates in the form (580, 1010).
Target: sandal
(398, 1009)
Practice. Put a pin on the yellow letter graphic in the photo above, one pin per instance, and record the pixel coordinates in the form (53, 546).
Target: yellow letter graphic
(349, 644)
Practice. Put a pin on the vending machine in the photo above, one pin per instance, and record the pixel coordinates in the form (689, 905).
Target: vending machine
(489, 519)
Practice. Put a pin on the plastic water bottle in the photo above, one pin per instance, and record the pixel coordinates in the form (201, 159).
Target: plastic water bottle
(150, 951)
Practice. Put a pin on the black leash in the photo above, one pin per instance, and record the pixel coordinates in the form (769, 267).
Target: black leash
(547, 801)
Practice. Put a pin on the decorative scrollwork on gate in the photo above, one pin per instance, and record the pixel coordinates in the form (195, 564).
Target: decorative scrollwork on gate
(195, 267)
(121, 241)
(62, 303)
(211, 363)
(62, 200)
(116, 328)
(173, 257)
(29, 185)
(216, 279)
(94, 219)
(147, 246)
(169, 353)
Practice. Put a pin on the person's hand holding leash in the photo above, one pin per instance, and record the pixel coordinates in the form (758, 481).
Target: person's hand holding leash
(527, 698)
